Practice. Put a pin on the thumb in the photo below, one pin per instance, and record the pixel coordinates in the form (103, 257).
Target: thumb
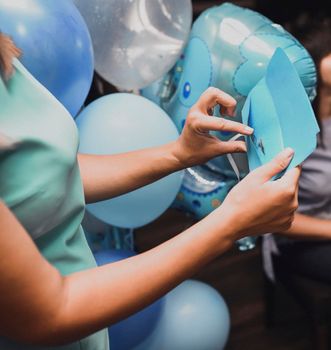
(275, 166)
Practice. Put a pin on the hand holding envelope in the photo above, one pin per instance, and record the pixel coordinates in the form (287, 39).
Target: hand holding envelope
(280, 112)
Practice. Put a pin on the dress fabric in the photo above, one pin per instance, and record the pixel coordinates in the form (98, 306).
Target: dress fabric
(41, 184)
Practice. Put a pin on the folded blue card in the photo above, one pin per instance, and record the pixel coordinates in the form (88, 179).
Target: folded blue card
(281, 114)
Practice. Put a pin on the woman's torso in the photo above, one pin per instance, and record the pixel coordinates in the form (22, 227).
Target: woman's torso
(40, 181)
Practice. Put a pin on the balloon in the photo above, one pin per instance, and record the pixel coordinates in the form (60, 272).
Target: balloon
(194, 317)
(229, 48)
(56, 46)
(104, 257)
(202, 191)
(125, 122)
(132, 331)
(136, 42)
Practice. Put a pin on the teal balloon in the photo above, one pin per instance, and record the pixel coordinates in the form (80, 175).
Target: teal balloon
(230, 48)
(56, 46)
(121, 123)
(194, 317)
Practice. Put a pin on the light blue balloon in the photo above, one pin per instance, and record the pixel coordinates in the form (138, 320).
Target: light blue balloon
(194, 317)
(56, 46)
(230, 48)
(125, 122)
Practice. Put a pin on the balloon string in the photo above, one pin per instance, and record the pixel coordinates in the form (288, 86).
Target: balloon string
(231, 159)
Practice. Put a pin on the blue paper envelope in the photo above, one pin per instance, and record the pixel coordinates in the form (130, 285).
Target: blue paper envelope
(281, 114)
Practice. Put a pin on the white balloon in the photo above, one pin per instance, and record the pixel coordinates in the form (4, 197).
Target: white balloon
(136, 41)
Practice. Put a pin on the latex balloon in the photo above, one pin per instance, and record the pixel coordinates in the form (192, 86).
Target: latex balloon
(136, 42)
(229, 48)
(125, 122)
(195, 317)
(130, 332)
(202, 191)
(56, 46)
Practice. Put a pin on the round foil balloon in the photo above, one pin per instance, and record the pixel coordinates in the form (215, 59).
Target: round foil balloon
(229, 48)
(56, 46)
(136, 41)
(120, 123)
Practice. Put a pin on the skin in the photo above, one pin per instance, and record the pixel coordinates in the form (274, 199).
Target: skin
(304, 226)
(7, 52)
(62, 309)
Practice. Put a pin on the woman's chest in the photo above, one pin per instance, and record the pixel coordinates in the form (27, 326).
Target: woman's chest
(39, 176)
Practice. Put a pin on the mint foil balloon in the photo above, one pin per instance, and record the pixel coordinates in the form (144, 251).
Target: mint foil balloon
(229, 48)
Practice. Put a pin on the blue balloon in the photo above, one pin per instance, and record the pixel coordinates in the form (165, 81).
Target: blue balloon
(108, 256)
(129, 333)
(121, 123)
(195, 317)
(56, 45)
(229, 48)
(203, 191)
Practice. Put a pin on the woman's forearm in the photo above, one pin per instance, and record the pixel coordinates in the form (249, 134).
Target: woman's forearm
(308, 227)
(99, 297)
(107, 176)
(40, 306)
(53, 310)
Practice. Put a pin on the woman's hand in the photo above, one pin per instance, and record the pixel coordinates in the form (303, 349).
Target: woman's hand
(257, 205)
(196, 145)
(8, 51)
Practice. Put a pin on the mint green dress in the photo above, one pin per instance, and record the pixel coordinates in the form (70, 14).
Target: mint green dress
(40, 181)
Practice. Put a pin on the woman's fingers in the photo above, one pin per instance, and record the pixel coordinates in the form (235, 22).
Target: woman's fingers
(226, 147)
(205, 124)
(212, 97)
(291, 178)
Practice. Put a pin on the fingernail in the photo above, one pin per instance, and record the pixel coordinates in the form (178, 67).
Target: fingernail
(249, 129)
(288, 152)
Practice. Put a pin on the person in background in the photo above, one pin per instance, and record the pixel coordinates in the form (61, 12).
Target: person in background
(306, 247)
(44, 305)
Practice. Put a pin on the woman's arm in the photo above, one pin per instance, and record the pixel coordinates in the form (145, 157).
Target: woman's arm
(308, 227)
(40, 306)
(109, 176)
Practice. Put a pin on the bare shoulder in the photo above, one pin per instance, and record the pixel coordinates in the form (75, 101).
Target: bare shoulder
(8, 51)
